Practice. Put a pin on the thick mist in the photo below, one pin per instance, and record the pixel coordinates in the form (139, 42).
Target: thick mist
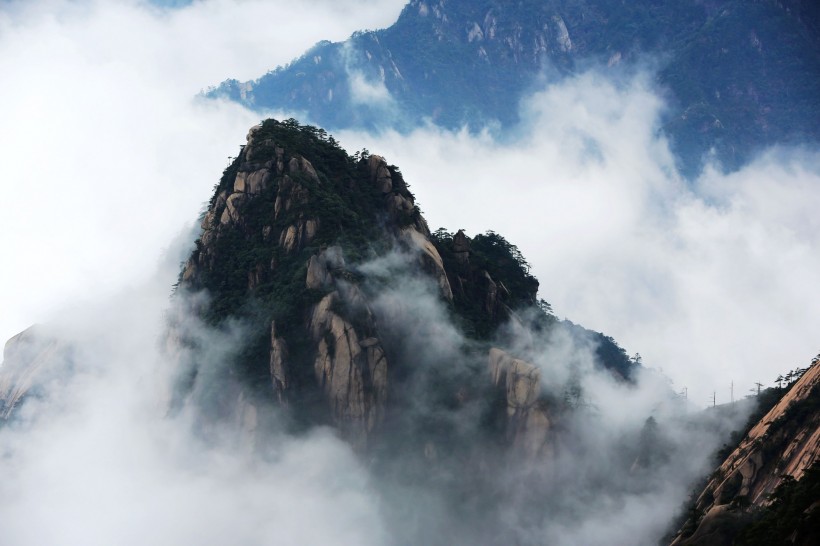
(618, 462)
(106, 150)
(709, 279)
(106, 154)
(103, 455)
(98, 458)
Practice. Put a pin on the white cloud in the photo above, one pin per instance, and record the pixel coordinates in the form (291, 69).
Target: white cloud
(106, 155)
(100, 462)
(710, 281)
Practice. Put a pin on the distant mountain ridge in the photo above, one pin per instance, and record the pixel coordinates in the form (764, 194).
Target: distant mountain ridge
(741, 74)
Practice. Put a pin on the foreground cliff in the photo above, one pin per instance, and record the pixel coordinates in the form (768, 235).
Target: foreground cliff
(780, 448)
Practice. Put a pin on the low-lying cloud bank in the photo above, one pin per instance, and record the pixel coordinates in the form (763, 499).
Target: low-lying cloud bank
(98, 458)
(710, 280)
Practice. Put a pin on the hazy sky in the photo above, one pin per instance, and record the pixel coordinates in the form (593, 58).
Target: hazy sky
(106, 157)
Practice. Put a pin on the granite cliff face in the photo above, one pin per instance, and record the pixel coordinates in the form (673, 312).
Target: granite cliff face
(783, 445)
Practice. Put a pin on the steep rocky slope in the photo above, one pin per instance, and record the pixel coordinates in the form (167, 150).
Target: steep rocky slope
(302, 241)
(740, 74)
(783, 445)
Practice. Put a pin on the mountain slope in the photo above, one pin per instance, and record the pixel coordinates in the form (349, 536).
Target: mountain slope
(302, 241)
(782, 446)
(741, 75)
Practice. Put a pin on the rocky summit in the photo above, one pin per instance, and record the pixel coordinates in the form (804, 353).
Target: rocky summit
(302, 242)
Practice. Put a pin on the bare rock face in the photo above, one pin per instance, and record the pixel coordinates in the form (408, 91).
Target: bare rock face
(429, 258)
(321, 266)
(233, 205)
(30, 359)
(278, 363)
(773, 448)
(352, 371)
(298, 235)
(302, 165)
(461, 247)
(528, 422)
(252, 182)
(290, 194)
(380, 173)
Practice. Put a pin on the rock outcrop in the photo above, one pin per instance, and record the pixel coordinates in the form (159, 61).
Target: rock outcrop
(30, 360)
(350, 369)
(527, 417)
(784, 443)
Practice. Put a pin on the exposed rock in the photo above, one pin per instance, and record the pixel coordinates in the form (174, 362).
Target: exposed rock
(318, 276)
(256, 276)
(521, 380)
(252, 182)
(232, 213)
(30, 359)
(399, 205)
(208, 219)
(528, 423)
(380, 174)
(247, 421)
(461, 247)
(430, 259)
(289, 238)
(298, 235)
(278, 363)
(189, 273)
(490, 294)
(291, 194)
(320, 267)
(772, 449)
(353, 376)
(302, 165)
(251, 132)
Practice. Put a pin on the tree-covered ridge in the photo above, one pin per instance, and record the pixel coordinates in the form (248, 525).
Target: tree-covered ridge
(248, 274)
(491, 281)
(492, 259)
